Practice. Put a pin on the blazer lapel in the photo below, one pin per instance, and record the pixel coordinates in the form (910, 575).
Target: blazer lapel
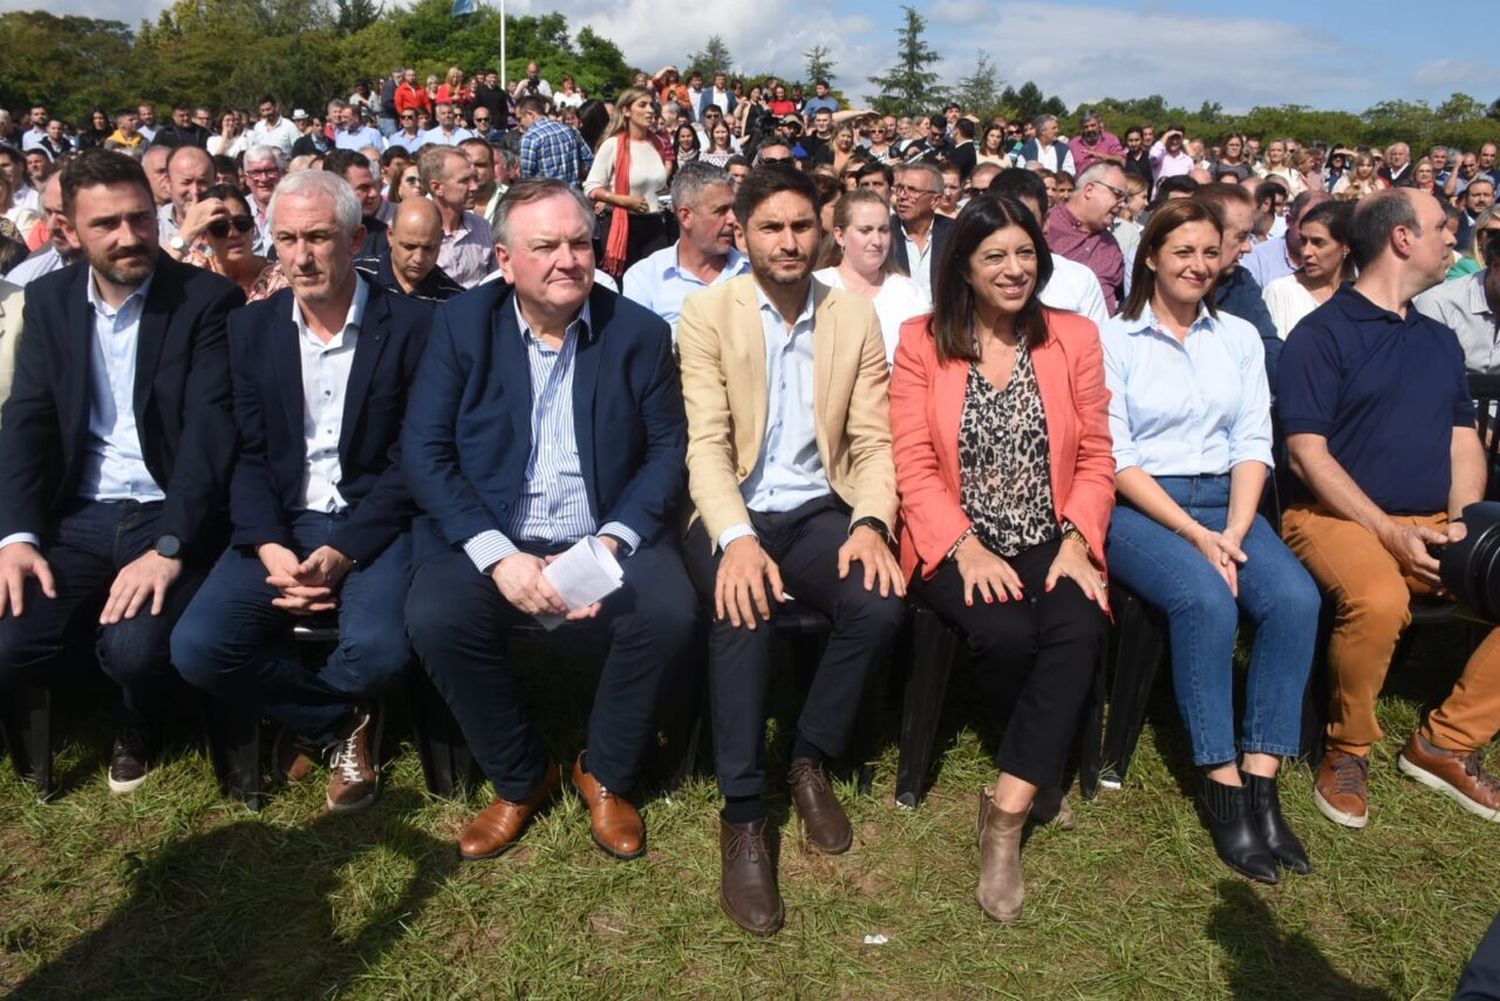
(286, 360)
(825, 356)
(514, 368)
(78, 353)
(586, 354)
(950, 384)
(752, 337)
(152, 333)
(368, 344)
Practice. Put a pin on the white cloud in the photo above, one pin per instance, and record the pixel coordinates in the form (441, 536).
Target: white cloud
(131, 12)
(1478, 77)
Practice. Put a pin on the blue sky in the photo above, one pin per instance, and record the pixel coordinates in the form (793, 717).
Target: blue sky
(1332, 54)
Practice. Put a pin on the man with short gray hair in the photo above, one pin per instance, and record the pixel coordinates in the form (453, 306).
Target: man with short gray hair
(450, 180)
(320, 511)
(1079, 229)
(918, 233)
(704, 254)
(264, 168)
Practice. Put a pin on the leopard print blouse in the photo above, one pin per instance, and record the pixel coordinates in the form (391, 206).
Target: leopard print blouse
(1005, 475)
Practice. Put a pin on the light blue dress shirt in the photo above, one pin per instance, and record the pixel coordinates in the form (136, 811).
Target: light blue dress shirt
(365, 135)
(657, 282)
(437, 137)
(789, 472)
(554, 505)
(1190, 408)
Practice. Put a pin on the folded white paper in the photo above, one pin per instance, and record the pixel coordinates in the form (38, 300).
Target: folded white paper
(584, 574)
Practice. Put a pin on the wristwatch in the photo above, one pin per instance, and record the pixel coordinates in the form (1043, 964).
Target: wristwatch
(872, 522)
(177, 243)
(169, 546)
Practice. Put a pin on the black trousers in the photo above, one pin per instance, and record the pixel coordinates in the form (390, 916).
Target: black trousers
(805, 544)
(86, 549)
(1034, 659)
(457, 620)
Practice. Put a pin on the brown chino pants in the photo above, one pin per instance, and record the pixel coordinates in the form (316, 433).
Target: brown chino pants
(1373, 607)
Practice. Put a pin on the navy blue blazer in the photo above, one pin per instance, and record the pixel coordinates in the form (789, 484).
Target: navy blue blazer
(467, 439)
(941, 225)
(265, 365)
(181, 401)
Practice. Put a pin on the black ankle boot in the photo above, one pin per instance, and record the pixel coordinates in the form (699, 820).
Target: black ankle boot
(1265, 811)
(1237, 839)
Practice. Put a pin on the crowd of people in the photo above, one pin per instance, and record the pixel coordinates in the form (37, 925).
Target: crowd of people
(389, 362)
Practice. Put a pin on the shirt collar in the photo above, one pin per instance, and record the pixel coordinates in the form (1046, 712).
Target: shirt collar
(1147, 321)
(1357, 307)
(807, 307)
(352, 322)
(732, 265)
(583, 322)
(1476, 301)
(135, 299)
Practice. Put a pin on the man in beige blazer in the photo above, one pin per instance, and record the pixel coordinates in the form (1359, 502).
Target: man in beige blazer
(790, 468)
(11, 297)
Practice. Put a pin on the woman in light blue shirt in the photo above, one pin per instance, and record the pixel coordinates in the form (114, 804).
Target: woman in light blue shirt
(1190, 417)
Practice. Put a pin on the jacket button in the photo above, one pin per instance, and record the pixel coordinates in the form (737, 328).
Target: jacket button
(741, 472)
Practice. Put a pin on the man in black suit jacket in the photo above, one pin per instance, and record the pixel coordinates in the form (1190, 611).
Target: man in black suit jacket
(318, 501)
(918, 233)
(115, 449)
(547, 409)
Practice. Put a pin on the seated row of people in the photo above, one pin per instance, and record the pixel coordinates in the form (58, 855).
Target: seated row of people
(416, 472)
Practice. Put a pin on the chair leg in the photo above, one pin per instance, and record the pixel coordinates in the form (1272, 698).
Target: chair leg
(933, 649)
(1091, 734)
(684, 709)
(1138, 653)
(234, 748)
(27, 726)
(446, 761)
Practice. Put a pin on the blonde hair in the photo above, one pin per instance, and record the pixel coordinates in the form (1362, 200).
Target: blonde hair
(620, 117)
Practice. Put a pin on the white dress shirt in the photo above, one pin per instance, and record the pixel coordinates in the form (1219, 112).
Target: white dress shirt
(325, 378)
(899, 299)
(659, 284)
(1076, 288)
(789, 472)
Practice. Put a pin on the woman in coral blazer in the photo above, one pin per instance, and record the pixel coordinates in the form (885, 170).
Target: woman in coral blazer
(1000, 420)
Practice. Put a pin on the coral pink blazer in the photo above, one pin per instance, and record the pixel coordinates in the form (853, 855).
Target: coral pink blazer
(927, 400)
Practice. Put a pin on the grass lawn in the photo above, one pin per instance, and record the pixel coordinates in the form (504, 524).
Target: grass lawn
(177, 893)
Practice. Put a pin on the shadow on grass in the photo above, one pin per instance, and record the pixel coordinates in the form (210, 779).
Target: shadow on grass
(253, 909)
(1264, 962)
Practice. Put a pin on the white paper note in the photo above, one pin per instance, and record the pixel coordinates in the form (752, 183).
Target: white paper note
(586, 573)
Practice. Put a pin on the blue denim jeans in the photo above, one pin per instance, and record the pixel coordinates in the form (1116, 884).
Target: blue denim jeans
(237, 646)
(1276, 594)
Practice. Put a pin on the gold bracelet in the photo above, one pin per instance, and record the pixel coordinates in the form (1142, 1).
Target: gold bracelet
(1074, 533)
(953, 551)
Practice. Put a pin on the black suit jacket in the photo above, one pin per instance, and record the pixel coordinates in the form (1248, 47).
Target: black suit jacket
(940, 227)
(266, 367)
(181, 397)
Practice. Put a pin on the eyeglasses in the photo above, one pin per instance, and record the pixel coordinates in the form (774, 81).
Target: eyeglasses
(1119, 194)
(902, 189)
(408, 117)
(219, 228)
(264, 172)
(774, 159)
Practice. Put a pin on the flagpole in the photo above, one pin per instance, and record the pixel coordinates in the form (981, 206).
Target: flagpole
(504, 80)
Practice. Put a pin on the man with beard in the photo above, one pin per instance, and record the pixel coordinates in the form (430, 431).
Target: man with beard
(468, 252)
(790, 469)
(704, 254)
(1471, 304)
(319, 507)
(57, 252)
(115, 450)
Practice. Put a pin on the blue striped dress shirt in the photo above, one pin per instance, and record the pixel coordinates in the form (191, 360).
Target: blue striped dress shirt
(554, 506)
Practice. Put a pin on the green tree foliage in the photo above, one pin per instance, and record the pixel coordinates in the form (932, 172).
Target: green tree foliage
(911, 86)
(713, 58)
(66, 63)
(979, 92)
(818, 65)
(1029, 101)
(355, 15)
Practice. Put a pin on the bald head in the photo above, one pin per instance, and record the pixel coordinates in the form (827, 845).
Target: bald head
(416, 236)
(190, 172)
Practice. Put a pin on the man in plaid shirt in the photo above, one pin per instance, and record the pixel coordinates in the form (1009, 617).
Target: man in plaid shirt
(549, 148)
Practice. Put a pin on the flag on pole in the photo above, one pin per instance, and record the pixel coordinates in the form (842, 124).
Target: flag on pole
(462, 7)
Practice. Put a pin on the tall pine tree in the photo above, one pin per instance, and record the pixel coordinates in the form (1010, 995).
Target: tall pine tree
(911, 86)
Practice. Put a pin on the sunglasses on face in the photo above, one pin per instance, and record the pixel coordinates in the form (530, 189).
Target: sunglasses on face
(219, 228)
(775, 159)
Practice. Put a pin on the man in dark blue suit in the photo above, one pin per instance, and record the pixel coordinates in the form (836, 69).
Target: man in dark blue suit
(547, 410)
(115, 447)
(918, 234)
(320, 511)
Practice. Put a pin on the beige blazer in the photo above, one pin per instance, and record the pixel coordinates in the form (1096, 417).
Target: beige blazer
(723, 350)
(11, 297)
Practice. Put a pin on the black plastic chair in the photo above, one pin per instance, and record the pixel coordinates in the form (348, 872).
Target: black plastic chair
(934, 647)
(26, 726)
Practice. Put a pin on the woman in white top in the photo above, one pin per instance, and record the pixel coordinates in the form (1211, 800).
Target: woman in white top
(636, 220)
(231, 140)
(569, 96)
(1323, 236)
(1359, 181)
(1277, 165)
(861, 262)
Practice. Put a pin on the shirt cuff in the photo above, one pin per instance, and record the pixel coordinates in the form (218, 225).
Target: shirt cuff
(624, 533)
(21, 537)
(734, 532)
(488, 548)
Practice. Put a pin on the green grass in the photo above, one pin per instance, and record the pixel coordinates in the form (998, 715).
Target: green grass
(177, 893)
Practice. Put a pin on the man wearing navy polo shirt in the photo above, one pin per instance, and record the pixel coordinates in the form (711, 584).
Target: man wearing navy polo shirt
(1380, 426)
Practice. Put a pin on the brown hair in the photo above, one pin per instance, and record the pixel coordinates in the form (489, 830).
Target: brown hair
(1167, 218)
(843, 211)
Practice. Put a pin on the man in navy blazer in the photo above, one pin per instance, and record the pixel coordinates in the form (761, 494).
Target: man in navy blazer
(918, 234)
(547, 410)
(115, 447)
(318, 502)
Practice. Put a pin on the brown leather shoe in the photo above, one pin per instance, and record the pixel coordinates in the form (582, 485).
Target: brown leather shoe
(353, 772)
(497, 826)
(616, 826)
(293, 755)
(1050, 808)
(1339, 789)
(819, 809)
(747, 878)
(1001, 888)
(1459, 775)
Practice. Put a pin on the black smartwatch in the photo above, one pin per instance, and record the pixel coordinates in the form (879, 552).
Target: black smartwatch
(169, 546)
